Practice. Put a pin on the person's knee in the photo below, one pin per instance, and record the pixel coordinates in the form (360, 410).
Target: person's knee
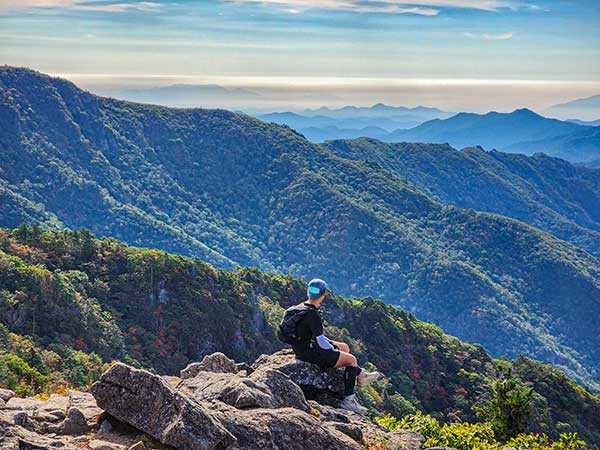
(346, 359)
(352, 361)
(344, 347)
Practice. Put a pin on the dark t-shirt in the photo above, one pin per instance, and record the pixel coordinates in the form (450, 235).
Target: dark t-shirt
(309, 327)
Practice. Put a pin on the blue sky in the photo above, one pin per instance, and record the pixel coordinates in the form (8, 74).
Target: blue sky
(544, 51)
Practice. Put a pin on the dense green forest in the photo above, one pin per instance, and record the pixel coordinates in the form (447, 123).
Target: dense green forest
(70, 304)
(549, 193)
(235, 191)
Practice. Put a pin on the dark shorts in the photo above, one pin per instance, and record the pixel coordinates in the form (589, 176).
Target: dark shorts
(326, 359)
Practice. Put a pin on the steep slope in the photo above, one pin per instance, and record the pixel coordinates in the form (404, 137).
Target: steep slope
(516, 131)
(81, 302)
(549, 193)
(233, 190)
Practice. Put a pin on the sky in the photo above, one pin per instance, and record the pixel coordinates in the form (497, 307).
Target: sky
(474, 55)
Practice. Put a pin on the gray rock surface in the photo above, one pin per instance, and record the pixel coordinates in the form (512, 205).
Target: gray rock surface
(75, 423)
(148, 403)
(54, 415)
(286, 428)
(406, 440)
(18, 403)
(265, 388)
(86, 403)
(98, 444)
(53, 410)
(216, 362)
(324, 386)
(19, 438)
(446, 448)
(6, 394)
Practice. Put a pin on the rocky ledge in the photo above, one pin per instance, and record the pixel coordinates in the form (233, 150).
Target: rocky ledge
(216, 404)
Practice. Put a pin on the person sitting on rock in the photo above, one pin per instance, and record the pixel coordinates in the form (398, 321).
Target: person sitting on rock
(302, 327)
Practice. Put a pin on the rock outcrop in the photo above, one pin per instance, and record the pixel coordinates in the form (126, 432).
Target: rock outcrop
(216, 362)
(148, 403)
(277, 403)
(324, 386)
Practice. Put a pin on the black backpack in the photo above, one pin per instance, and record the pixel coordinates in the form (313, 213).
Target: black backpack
(287, 328)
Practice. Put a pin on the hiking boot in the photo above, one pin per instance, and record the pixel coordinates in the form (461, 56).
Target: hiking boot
(351, 404)
(365, 378)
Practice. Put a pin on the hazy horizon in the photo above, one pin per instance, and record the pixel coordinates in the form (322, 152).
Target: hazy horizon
(456, 55)
(278, 94)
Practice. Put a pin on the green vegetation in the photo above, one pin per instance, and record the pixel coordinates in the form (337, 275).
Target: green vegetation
(510, 406)
(480, 436)
(234, 191)
(71, 303)
(548, 193)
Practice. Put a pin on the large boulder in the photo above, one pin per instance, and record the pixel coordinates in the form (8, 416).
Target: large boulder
(148, 403)
(324, 386)
(264, 388)
(287, 428)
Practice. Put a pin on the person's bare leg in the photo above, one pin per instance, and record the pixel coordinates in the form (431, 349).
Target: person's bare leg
(349, 402)
(342, 346)
(364, 377)
(346, 359)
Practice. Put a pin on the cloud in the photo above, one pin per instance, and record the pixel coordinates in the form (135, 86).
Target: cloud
(421, 7)
(490, 37)
(81, 5)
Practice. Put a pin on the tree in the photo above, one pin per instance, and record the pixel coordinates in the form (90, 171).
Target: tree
(510, 407)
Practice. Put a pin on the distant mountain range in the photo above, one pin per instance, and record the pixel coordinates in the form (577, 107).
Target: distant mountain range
(354, 121)
(592, 102)
(492, 130)
(233, 190)
(380, 110)
(583, 108)
(589, 123)
(521, 131)
(182, 95)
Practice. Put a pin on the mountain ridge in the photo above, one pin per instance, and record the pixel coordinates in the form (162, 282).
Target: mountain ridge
(520, 131)
(466, 129)
(233, 190)
(546, 192)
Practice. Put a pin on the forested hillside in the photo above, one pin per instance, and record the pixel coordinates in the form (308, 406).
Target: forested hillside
(546, 192)
(70, 303)
(233, 190)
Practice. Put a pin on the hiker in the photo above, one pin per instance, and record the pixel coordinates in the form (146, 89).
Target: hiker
(302, 327)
